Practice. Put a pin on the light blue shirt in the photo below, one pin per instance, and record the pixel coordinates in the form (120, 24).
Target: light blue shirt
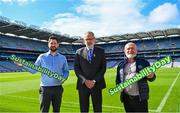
(57, 63)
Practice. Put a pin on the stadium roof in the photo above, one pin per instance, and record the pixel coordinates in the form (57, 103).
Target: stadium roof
(21, 29)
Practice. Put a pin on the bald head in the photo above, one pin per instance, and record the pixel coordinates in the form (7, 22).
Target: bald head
(130, 50)
(130, 44)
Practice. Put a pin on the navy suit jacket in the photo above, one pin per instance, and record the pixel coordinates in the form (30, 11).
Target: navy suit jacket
(90, 71)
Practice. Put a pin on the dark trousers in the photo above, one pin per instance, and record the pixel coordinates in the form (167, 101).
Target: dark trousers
(50, 94)
(133, 104)
(96, 95)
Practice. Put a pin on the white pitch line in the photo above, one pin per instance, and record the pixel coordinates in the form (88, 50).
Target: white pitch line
(67, 102)
(161, 105)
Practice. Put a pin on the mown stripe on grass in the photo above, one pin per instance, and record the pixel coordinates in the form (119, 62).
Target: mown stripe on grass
(18, 86)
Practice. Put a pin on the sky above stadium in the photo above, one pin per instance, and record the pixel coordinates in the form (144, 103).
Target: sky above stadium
(103, 17)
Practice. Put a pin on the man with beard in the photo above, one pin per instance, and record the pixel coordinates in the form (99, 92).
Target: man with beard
(134, 97)
(50, 88)
(90, 66)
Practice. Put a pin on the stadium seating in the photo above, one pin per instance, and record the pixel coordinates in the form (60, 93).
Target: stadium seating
(8, 66)
(29, 49)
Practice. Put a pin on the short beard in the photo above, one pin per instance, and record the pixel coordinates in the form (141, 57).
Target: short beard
(53, 50)
(131, 55)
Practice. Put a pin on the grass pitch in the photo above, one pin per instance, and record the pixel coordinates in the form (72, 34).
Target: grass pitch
(19, 92)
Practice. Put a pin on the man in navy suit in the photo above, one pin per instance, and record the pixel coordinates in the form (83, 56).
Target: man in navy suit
(90, 66)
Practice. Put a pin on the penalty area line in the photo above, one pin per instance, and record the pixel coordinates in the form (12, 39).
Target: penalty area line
(163, 102)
